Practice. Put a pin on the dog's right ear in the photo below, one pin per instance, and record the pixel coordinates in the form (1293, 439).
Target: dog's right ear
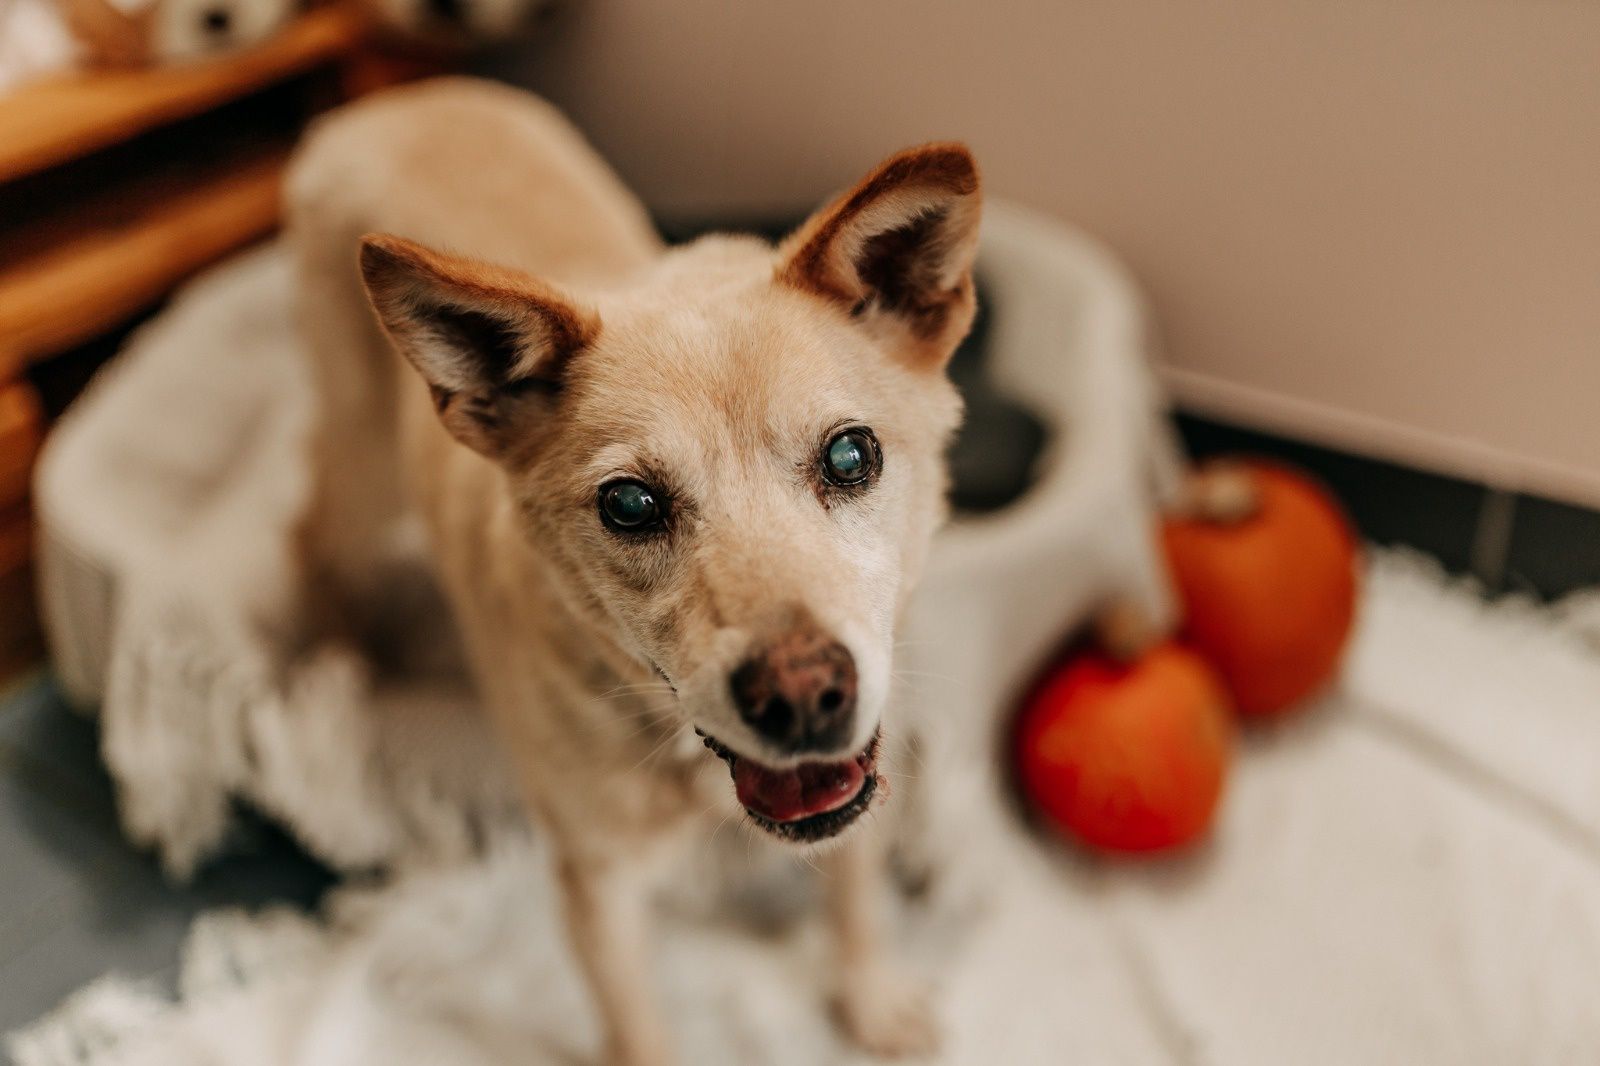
(492, 344)
(898, 248)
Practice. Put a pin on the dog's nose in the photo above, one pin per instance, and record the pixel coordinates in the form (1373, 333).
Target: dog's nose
(217, 21)
(452, 11)
(799, 693)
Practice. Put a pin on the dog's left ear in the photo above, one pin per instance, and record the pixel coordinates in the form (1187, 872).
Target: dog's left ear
(492, 344)
(900, 244)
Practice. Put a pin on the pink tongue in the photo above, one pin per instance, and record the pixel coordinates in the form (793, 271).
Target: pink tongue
(799, 792)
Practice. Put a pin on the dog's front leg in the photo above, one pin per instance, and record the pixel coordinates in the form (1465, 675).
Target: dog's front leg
(882, 1008)
(607, 905)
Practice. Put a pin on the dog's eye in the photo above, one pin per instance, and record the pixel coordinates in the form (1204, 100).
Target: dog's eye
(629, 506)
(851, 457)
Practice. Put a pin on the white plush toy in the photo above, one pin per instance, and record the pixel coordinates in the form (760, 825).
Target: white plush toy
(43, 37)
(192, 29)
(40, 37)
(112, 34)
(34, 41)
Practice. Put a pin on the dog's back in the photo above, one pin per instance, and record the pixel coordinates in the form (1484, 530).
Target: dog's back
(454, 163)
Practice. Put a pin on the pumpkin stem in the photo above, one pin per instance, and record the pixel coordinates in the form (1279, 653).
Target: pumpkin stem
(1125, 629)
(1220, 491)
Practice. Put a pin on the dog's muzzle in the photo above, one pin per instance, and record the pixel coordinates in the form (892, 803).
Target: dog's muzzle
(807, 802)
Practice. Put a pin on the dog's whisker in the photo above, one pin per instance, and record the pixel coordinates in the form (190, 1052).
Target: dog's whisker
(622, 707)
(664, 711)
(923, 673)
(751, 828)
(656, 751)
(712, 842)
(645, 729)
(653, 688)
(663, 714)
(663, 708)
(910, 685)
(660, 712)
(639, 684)
(627, 685)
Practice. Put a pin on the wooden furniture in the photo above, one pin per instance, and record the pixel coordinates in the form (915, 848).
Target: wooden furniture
(21, 430)
(66, 118)
(117, 186)
(93, 276)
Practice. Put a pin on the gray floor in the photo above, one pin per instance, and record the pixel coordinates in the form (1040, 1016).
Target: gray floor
(76, 901)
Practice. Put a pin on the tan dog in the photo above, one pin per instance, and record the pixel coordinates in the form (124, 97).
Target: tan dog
(668, 493)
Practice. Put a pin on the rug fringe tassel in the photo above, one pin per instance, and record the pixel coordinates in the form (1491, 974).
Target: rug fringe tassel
(90, 1027)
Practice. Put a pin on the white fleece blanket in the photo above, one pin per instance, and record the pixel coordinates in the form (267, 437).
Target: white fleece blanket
(1408, 873)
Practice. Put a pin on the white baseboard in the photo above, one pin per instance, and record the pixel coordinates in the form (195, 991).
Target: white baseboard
(1378, 438)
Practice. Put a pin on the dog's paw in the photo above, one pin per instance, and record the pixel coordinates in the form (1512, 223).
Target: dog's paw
(888, 1013)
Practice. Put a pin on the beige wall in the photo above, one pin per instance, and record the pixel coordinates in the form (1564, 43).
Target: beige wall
(1372, 222)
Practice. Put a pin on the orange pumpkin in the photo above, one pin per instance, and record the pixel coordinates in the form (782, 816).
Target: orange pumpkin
(1265, 567)
(1127, 757)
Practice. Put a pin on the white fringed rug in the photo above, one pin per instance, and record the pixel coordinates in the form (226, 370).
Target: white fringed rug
(1408, 874)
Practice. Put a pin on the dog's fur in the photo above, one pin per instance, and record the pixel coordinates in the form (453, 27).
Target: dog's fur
(588, 352)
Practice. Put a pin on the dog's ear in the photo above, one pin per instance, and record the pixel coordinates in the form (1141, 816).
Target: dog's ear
(492, 344)
(900, 244)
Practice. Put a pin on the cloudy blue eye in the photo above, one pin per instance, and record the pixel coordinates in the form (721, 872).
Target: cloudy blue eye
(851, 457)
(629, 506)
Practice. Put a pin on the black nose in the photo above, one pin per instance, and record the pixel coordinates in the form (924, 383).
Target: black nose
(217, 21)
(799, 693)
(452, 11)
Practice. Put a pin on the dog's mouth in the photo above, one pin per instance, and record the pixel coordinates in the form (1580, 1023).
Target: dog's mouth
(807, 802)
